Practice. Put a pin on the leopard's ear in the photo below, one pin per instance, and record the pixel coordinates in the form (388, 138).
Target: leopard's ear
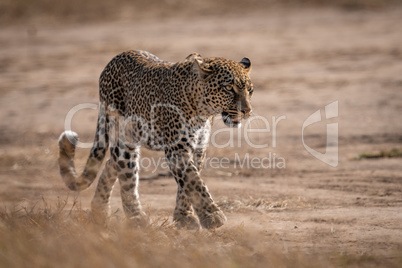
(202, 68)
(192, 56)
(246, 64)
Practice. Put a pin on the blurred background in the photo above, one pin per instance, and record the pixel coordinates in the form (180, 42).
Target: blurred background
(74, 11)
(52, 52)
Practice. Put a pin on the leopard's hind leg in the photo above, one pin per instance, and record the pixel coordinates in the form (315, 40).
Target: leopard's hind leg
(127, 165)
(101, 202)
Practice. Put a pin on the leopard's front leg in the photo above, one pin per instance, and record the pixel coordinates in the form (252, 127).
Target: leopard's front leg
(201, 145)
(192, 190)
(183, 215)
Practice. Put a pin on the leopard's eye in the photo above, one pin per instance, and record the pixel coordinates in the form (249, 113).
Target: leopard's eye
(228, 87)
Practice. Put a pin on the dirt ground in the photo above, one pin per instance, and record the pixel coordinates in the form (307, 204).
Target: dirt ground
(303, 59)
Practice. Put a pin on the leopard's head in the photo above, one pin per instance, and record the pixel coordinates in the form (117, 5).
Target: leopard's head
(226, 88)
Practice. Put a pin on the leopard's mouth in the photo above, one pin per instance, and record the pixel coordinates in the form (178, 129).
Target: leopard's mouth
(232, 120)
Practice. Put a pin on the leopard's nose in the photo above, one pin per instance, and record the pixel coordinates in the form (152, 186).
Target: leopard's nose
(246, 111)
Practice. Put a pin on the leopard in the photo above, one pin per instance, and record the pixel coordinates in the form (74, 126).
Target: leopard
(163, 106)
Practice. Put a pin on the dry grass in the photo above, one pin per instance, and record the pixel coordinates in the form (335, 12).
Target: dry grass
(381, 154)
(251, 204)
(66, 236)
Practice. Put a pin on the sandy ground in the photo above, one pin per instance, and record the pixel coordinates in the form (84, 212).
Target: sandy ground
(302, 60)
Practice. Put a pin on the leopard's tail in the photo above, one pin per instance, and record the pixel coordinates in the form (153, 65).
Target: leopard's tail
(67, 144)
